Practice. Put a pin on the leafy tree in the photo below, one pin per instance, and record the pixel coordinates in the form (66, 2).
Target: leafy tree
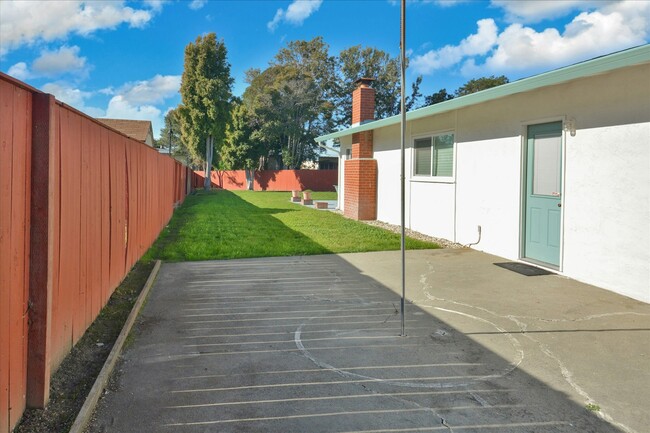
(306, 92)
(292, 101)
(312, 72)
(179, 149)
(206, 91)
(172, 123)
(478, 84)
(240, 149)
(356, 62)
(435, 98)
(285, 109)
(312, 59)
(472, 86)
(411, 101)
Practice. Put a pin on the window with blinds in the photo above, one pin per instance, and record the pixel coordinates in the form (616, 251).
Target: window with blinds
(434, 156)
(423, 156)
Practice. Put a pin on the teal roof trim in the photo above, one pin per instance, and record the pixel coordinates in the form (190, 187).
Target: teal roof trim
(599, 65)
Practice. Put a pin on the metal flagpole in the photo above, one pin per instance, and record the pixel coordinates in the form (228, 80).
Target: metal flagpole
(403, 130)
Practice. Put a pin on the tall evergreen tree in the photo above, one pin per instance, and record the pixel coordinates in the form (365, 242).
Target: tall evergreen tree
(241, 150)
(206, 91)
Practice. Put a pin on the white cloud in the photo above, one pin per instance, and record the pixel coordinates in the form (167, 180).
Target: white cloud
(64, 60)
(478, 43)
(139, 100)
(449, 3)
(120, 108)
(72, 96)
(55, 63)
(520, 48)
(20, 71)
(614, 27)
(26, 22)
(531, 11)
(273, 24)
(156, 4)
(197, 4)
(296, 13)
(152, 91)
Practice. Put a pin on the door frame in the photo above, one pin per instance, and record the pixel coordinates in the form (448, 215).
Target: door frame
(522, 185)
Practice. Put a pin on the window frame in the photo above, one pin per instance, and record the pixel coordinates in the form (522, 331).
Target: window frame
(430, 177)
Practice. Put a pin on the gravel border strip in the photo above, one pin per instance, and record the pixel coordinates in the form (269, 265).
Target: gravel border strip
(88, 408)
(444, 243)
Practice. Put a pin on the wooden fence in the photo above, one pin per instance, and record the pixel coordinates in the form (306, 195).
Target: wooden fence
(80, 203)
(272, 180)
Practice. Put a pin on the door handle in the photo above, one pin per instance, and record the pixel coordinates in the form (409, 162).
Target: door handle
(559, 205)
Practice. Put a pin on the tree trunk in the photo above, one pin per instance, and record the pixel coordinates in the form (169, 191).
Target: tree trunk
(207, 182)
(250, 173)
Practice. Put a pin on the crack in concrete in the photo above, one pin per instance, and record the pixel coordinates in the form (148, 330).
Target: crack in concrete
(411, 403)
(518, 320)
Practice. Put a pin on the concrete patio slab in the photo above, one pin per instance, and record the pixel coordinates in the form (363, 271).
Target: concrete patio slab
(311, 344)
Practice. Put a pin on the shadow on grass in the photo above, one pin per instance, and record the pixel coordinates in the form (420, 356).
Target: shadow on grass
(222, 225)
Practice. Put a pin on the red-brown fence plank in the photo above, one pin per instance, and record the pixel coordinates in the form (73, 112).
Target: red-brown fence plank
(26, 241)
(105, 211)
(15, 189)
(6, 284)
(83, 296)
(69, 242)
(95, 238)
(57, 334)
(20, 193)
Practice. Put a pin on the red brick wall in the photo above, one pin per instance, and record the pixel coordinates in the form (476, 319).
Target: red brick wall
(361, 189)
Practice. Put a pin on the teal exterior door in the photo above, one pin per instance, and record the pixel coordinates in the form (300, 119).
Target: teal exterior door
(543, 200)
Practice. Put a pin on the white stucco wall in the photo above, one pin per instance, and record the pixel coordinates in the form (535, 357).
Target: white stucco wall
(346, 143)
(606, 197)
(387, 153)
(607, 185)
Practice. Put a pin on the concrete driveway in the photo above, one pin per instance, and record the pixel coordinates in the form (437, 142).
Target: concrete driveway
(311, 344)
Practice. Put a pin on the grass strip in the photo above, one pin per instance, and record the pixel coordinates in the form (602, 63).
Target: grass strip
(241, 224)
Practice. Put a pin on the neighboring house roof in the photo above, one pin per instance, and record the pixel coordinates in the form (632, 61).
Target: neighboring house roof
(140, 130)
(599, 65)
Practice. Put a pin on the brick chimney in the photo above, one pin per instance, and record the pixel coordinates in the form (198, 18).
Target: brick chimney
(361, 171)
(363, 101)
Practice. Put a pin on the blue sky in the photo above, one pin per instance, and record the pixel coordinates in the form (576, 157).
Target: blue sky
(124, 59)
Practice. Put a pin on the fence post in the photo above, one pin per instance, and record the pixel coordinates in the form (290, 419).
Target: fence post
(43, 201)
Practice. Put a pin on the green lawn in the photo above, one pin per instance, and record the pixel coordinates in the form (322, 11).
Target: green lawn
(239, 224)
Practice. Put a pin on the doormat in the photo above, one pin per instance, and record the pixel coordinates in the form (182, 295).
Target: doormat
(524, 269)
